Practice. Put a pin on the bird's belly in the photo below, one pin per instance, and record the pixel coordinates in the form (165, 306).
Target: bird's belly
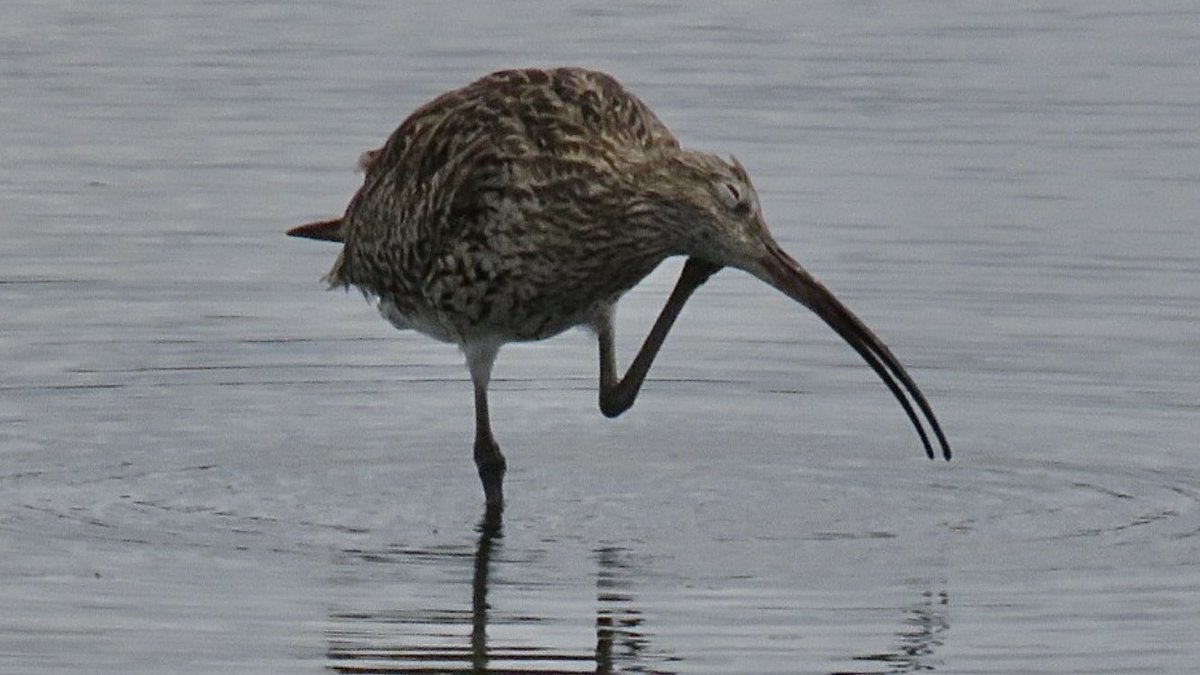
(508, 312)
(485, 292)
(428, 322)
(508, 324)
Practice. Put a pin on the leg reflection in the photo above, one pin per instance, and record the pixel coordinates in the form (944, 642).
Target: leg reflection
(621, 641)
(924, 631)
(425, 629)
(490, 531)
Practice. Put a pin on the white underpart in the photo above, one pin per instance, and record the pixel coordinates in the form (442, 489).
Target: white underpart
(481, 355)
(428, 325)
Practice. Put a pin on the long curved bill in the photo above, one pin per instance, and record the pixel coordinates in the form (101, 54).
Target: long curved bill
(783, 272)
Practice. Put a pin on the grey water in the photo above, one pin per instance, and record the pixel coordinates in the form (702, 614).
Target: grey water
(210, 464)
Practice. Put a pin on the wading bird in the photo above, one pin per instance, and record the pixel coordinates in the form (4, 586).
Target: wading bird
(529, 201)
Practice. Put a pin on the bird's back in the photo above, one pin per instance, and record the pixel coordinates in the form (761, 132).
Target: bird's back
(475, 202)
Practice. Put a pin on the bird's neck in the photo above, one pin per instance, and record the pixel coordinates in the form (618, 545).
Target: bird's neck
(662, 205)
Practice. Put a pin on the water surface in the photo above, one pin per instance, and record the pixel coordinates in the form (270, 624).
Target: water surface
(207, 463)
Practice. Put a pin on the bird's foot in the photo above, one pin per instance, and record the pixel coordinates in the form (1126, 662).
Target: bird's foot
(491, 474)
(491, 467)
(492, 524)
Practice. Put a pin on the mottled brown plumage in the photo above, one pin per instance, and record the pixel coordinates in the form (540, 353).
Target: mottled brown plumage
(529, 201)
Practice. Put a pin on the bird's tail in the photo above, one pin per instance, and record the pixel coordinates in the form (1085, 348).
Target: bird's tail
(325, 230)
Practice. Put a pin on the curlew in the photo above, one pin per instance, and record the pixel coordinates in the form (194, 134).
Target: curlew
(529, 201)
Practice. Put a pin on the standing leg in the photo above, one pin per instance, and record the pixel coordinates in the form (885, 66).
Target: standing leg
(488, 460)
(617, 396)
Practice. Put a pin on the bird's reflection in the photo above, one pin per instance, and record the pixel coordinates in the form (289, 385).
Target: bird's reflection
(369, 642)
(924, 631)
(486, 639)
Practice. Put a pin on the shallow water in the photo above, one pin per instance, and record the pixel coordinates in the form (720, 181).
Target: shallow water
(207, 463)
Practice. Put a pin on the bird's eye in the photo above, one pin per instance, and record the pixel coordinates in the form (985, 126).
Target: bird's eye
(730, 196)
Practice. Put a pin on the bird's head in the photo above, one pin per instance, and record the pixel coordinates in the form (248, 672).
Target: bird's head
(710, 210)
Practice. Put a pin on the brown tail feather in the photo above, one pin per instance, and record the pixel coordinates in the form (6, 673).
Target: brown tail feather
(325, 230)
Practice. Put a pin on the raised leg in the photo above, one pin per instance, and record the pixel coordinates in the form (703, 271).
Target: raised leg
(617, 396)
(488, 460)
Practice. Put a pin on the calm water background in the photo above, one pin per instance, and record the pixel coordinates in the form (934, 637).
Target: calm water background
(209, 464)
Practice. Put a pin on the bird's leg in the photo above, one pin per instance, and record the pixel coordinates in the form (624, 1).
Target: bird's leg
(618, 396)
(488, 460)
